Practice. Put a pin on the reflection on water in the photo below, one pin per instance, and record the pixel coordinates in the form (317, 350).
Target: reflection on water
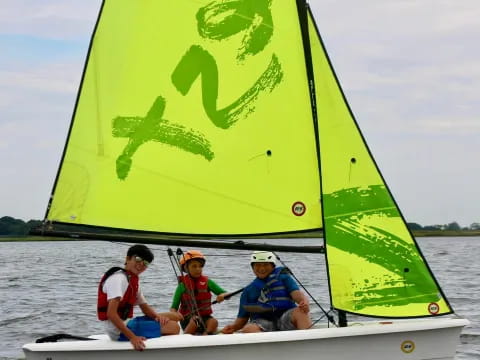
(50, 287)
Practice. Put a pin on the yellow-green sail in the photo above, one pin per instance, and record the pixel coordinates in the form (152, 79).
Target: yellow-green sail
(374, 265)
(196, 118)
(193, 117)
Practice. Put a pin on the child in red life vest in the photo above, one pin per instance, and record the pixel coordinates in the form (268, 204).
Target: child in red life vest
(119, 291)
(199, 287)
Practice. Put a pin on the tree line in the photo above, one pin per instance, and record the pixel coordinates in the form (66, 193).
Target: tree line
(453, 226)
(18, 227)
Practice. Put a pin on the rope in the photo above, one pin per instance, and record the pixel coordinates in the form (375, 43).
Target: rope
(329, 317)
(61, 336)
(193, 307)
(170, 255)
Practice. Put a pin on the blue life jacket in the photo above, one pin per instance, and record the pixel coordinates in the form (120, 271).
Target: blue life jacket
(273, 294)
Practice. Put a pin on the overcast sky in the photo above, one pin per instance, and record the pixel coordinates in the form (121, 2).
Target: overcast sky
(410, 70)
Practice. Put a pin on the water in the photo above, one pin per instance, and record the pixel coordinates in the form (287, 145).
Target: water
(50, 287)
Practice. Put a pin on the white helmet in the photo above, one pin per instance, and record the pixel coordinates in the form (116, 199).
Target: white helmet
(263, 257)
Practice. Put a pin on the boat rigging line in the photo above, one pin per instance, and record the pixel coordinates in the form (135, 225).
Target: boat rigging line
(193, 307)
(325, 313)
(170, 255)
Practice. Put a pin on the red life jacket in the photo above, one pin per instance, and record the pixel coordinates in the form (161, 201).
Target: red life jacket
(203, 297)
(125, 308)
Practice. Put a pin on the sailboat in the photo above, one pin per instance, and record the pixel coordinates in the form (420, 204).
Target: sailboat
(225, 120)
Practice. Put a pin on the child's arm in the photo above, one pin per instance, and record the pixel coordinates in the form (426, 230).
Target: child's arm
(217, 290)
(162, 318)
(295, 293)
(302, 301)
(177, 297)
(112, 314)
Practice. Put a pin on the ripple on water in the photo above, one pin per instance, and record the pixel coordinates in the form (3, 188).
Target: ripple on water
(67, 273)
(468, 337)
(473, 352)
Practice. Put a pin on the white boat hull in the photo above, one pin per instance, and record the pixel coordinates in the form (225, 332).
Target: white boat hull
(404, 339)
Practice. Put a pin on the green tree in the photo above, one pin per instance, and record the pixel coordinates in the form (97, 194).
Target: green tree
(11, 226)
(475, 226)
(414, 226)
(453, 226)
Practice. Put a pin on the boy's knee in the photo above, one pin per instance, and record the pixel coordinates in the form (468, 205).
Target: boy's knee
(171, 328)
(212, 321)
(297, 313)
(300, 320)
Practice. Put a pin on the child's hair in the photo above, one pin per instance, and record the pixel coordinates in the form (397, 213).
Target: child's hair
(142, 251)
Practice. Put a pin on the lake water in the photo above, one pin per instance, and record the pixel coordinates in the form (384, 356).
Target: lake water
(50, 287)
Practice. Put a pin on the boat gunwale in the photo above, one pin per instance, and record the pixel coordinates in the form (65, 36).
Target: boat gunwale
(190, 341)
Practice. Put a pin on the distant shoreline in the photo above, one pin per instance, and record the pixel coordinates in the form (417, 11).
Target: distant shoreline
(313, 234)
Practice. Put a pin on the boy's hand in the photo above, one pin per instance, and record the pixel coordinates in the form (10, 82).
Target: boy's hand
(176, 316)
(163, 320)
(221, 297)
(228, 329)
(138, 342)
(304, 306)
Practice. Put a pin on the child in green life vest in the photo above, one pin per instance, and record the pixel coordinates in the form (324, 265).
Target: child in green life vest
(194, 296)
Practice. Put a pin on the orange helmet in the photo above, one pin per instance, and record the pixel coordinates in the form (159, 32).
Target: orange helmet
(190, 255)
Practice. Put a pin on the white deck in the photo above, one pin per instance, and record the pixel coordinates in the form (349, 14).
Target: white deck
(431, 338)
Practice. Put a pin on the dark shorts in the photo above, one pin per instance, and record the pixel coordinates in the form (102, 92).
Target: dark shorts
(284, 322)
(186, 320)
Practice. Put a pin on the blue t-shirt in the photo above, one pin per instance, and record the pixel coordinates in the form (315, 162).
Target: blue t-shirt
(251, 293)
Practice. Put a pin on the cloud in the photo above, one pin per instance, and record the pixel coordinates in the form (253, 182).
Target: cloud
(408, 60)
(66, 19)
(409, 69)
(55, 78)
(410, 73)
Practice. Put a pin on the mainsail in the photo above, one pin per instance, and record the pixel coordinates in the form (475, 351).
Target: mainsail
(225, 118)
(192, 118)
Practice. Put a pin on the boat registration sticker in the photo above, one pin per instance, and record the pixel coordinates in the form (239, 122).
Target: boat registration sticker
(433, 308)
(298, 208)
(407, 346)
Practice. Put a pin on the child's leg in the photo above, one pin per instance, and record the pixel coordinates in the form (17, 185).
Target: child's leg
(300, 320)
(170, 328)
(191, 328)
(251, 328)
(211, 326)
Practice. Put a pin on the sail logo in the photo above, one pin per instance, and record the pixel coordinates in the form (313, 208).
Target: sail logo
(433, 308)
(218, 20)
(299, 208)
(407, 346)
